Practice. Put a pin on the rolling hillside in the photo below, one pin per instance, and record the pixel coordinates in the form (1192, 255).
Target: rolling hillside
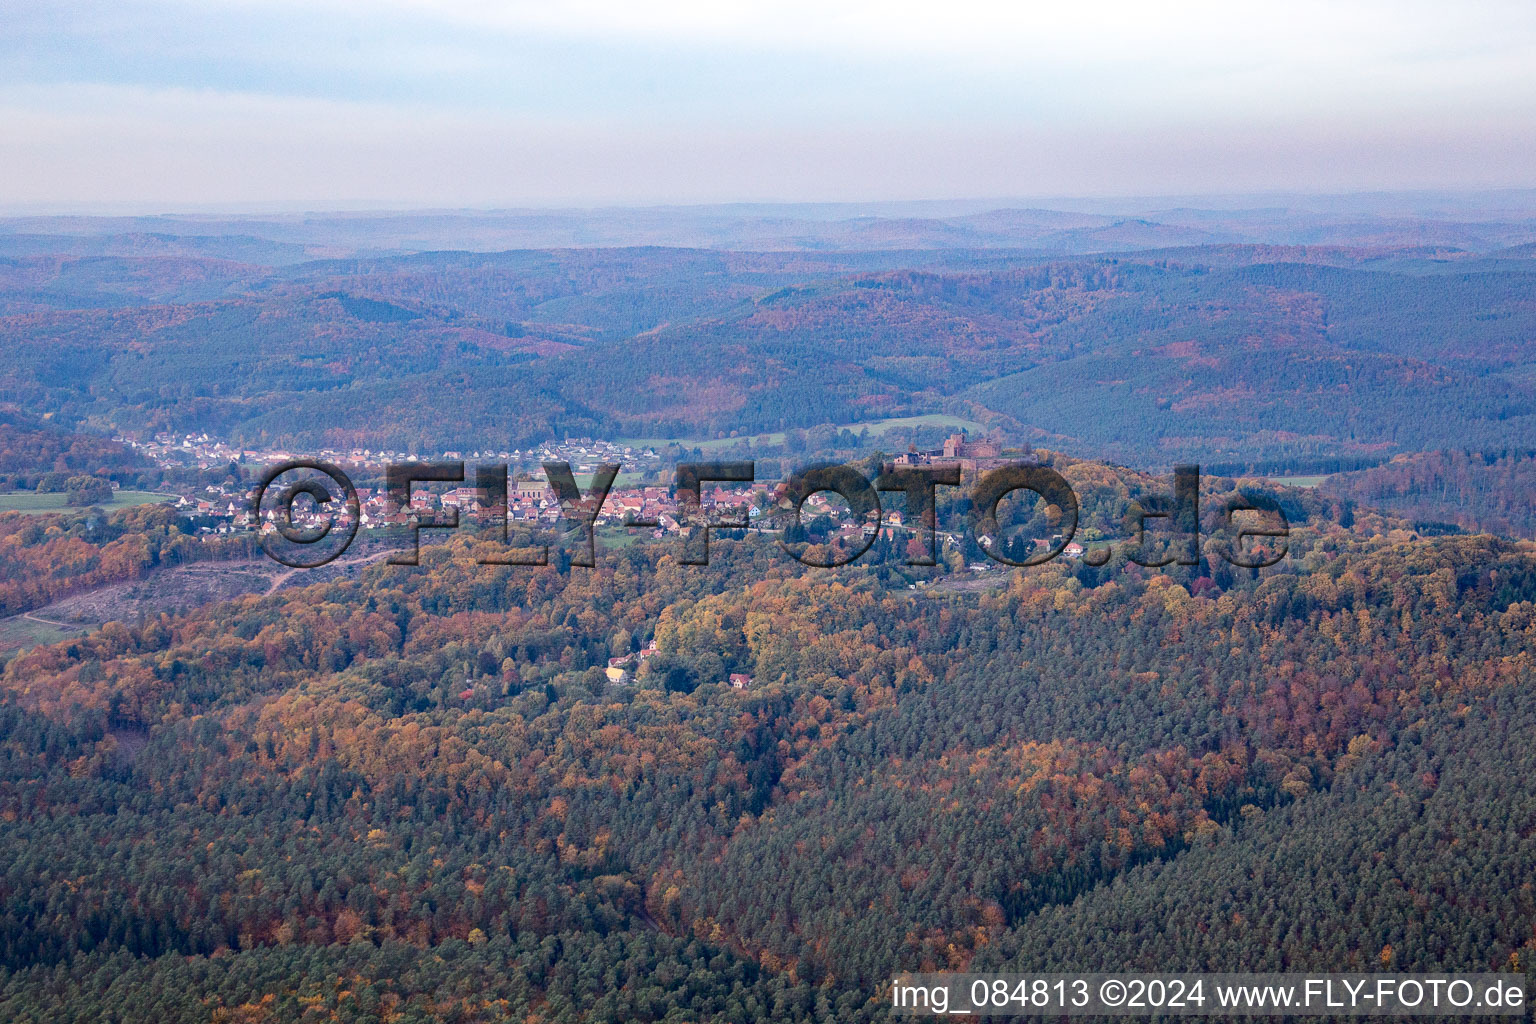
(1223, 353)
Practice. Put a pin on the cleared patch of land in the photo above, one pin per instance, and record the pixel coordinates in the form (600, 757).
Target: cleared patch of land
(1299, 481)
(19, 632)
(172, 590)
(970, 582)
(30, 501)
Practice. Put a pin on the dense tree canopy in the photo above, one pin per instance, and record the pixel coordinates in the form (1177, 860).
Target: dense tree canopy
(417, 793)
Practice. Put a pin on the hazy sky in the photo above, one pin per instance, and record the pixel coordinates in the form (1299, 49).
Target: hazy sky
(173, 103)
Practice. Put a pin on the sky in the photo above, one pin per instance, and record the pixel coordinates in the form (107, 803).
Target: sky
(157, 105)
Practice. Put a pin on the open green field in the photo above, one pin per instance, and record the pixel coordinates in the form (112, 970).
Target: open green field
(18, 633)
(703, 444)
(927, 419)
(28, 501)
(1299, 481)
(875, 427)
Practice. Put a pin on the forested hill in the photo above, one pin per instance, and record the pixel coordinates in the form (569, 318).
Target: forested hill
(1491, 490)
(31, 448)
(1224, 353)
(416, 793)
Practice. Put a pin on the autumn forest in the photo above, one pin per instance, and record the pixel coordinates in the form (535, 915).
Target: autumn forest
(429, 793)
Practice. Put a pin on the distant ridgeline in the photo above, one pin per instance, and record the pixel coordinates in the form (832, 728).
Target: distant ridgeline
(1231, 355)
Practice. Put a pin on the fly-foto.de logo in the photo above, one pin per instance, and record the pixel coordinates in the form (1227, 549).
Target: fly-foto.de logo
(308, 513)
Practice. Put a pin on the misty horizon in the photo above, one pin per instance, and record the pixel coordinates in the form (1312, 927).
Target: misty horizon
(426, 103)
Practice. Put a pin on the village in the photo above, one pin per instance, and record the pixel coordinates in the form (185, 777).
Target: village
(531, 501)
